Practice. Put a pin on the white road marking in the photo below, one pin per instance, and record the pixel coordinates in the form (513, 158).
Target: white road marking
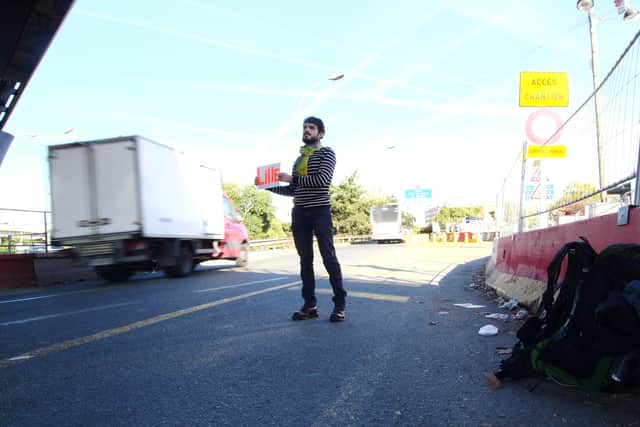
(67, 313)
(20, 358)
(81, 291)
(239, 285)
(43, 351)
(29, 299)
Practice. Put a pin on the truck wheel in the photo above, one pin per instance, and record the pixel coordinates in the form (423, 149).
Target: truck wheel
(115, 274)
(184, 263)
(243, 257)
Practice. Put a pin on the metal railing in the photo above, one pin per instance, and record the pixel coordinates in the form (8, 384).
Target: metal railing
(600, 172)
(27, 231)
(24, 231)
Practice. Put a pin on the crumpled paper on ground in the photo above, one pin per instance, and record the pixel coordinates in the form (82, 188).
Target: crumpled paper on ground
(488, 330)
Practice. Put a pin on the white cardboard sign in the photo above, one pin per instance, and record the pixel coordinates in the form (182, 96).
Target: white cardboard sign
(268, 175)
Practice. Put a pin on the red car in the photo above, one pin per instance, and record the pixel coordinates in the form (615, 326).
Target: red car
(236, 237)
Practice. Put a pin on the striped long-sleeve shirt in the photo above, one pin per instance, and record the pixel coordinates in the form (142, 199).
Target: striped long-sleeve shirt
(313, 189)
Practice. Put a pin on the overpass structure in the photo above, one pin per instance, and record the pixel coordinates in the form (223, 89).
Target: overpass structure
(28, 27)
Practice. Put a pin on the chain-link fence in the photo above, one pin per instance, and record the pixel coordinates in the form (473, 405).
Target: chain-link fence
(24, 231)
(599, 173)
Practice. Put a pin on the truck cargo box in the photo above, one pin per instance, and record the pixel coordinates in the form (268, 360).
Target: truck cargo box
(132, 186)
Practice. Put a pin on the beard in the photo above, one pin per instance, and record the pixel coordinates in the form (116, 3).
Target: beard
(310, 140)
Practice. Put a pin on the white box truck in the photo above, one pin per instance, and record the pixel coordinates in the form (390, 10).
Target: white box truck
(128, 204)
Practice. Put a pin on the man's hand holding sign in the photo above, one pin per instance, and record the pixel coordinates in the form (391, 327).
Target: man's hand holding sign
(269, 176)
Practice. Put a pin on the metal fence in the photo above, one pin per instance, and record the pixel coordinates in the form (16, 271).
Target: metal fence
(24, 231)
(600, 172)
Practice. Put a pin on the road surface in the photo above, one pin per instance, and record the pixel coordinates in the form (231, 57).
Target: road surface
(219, 348)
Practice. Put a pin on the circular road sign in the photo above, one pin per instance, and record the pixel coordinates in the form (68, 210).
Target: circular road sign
(544, 116)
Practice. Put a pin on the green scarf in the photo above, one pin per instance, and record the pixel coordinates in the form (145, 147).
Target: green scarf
(302, 168)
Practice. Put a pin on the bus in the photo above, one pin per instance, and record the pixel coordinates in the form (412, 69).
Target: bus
(386, 223)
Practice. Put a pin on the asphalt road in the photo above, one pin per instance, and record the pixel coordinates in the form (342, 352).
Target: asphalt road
(219, 348)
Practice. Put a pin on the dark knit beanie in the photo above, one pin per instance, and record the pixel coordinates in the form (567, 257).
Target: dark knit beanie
(316, 121)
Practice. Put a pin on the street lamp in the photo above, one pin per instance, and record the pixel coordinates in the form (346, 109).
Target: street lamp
(627, 12)
(584, 4)
(332, 78)
(622, 5)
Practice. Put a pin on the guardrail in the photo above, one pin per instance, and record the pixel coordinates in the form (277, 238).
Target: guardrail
(267, 244)
(432, 238)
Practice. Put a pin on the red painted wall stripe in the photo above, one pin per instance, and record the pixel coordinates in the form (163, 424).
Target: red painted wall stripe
(528, 254)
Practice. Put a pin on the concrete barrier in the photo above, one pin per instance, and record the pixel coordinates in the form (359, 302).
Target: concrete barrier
(444, 238)
(518, 266)
(53, 269)
(28, 270)
(16, 271)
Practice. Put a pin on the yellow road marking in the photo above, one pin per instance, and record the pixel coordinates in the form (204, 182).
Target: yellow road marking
(368, 295)
(410, 275)
(43, 351)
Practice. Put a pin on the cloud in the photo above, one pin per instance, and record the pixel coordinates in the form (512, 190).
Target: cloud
(184, 125)
(412, 70)
(497, 16)
(372, 57)
(204, 40)
(456, 108)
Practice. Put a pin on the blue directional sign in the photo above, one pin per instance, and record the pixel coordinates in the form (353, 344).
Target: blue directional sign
(422, 193)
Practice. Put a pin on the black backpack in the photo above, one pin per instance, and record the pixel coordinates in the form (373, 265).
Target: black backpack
(560, 340)
(618, 315)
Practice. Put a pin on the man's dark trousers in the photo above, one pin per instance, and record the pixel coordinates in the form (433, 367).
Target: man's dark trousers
(305, 222)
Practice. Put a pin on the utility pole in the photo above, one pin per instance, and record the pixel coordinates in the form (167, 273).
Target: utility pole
(596, 101)
(523, 172)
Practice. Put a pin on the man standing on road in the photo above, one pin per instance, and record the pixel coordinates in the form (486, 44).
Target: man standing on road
(309, 185)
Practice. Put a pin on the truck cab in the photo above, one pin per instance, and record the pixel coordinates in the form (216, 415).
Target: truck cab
(236, 237)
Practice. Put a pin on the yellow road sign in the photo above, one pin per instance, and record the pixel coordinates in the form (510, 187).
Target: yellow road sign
(544, 89)
(546, 151)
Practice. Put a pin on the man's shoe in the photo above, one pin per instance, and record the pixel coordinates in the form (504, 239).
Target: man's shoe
(306, 312)
(338, 314)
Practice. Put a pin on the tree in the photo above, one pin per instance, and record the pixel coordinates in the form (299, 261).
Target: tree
(457, 215)
(408, 220)
(256, 208)
(575, 191)
(350, 206)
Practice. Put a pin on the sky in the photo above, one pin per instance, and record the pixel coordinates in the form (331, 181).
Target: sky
(429, 97)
